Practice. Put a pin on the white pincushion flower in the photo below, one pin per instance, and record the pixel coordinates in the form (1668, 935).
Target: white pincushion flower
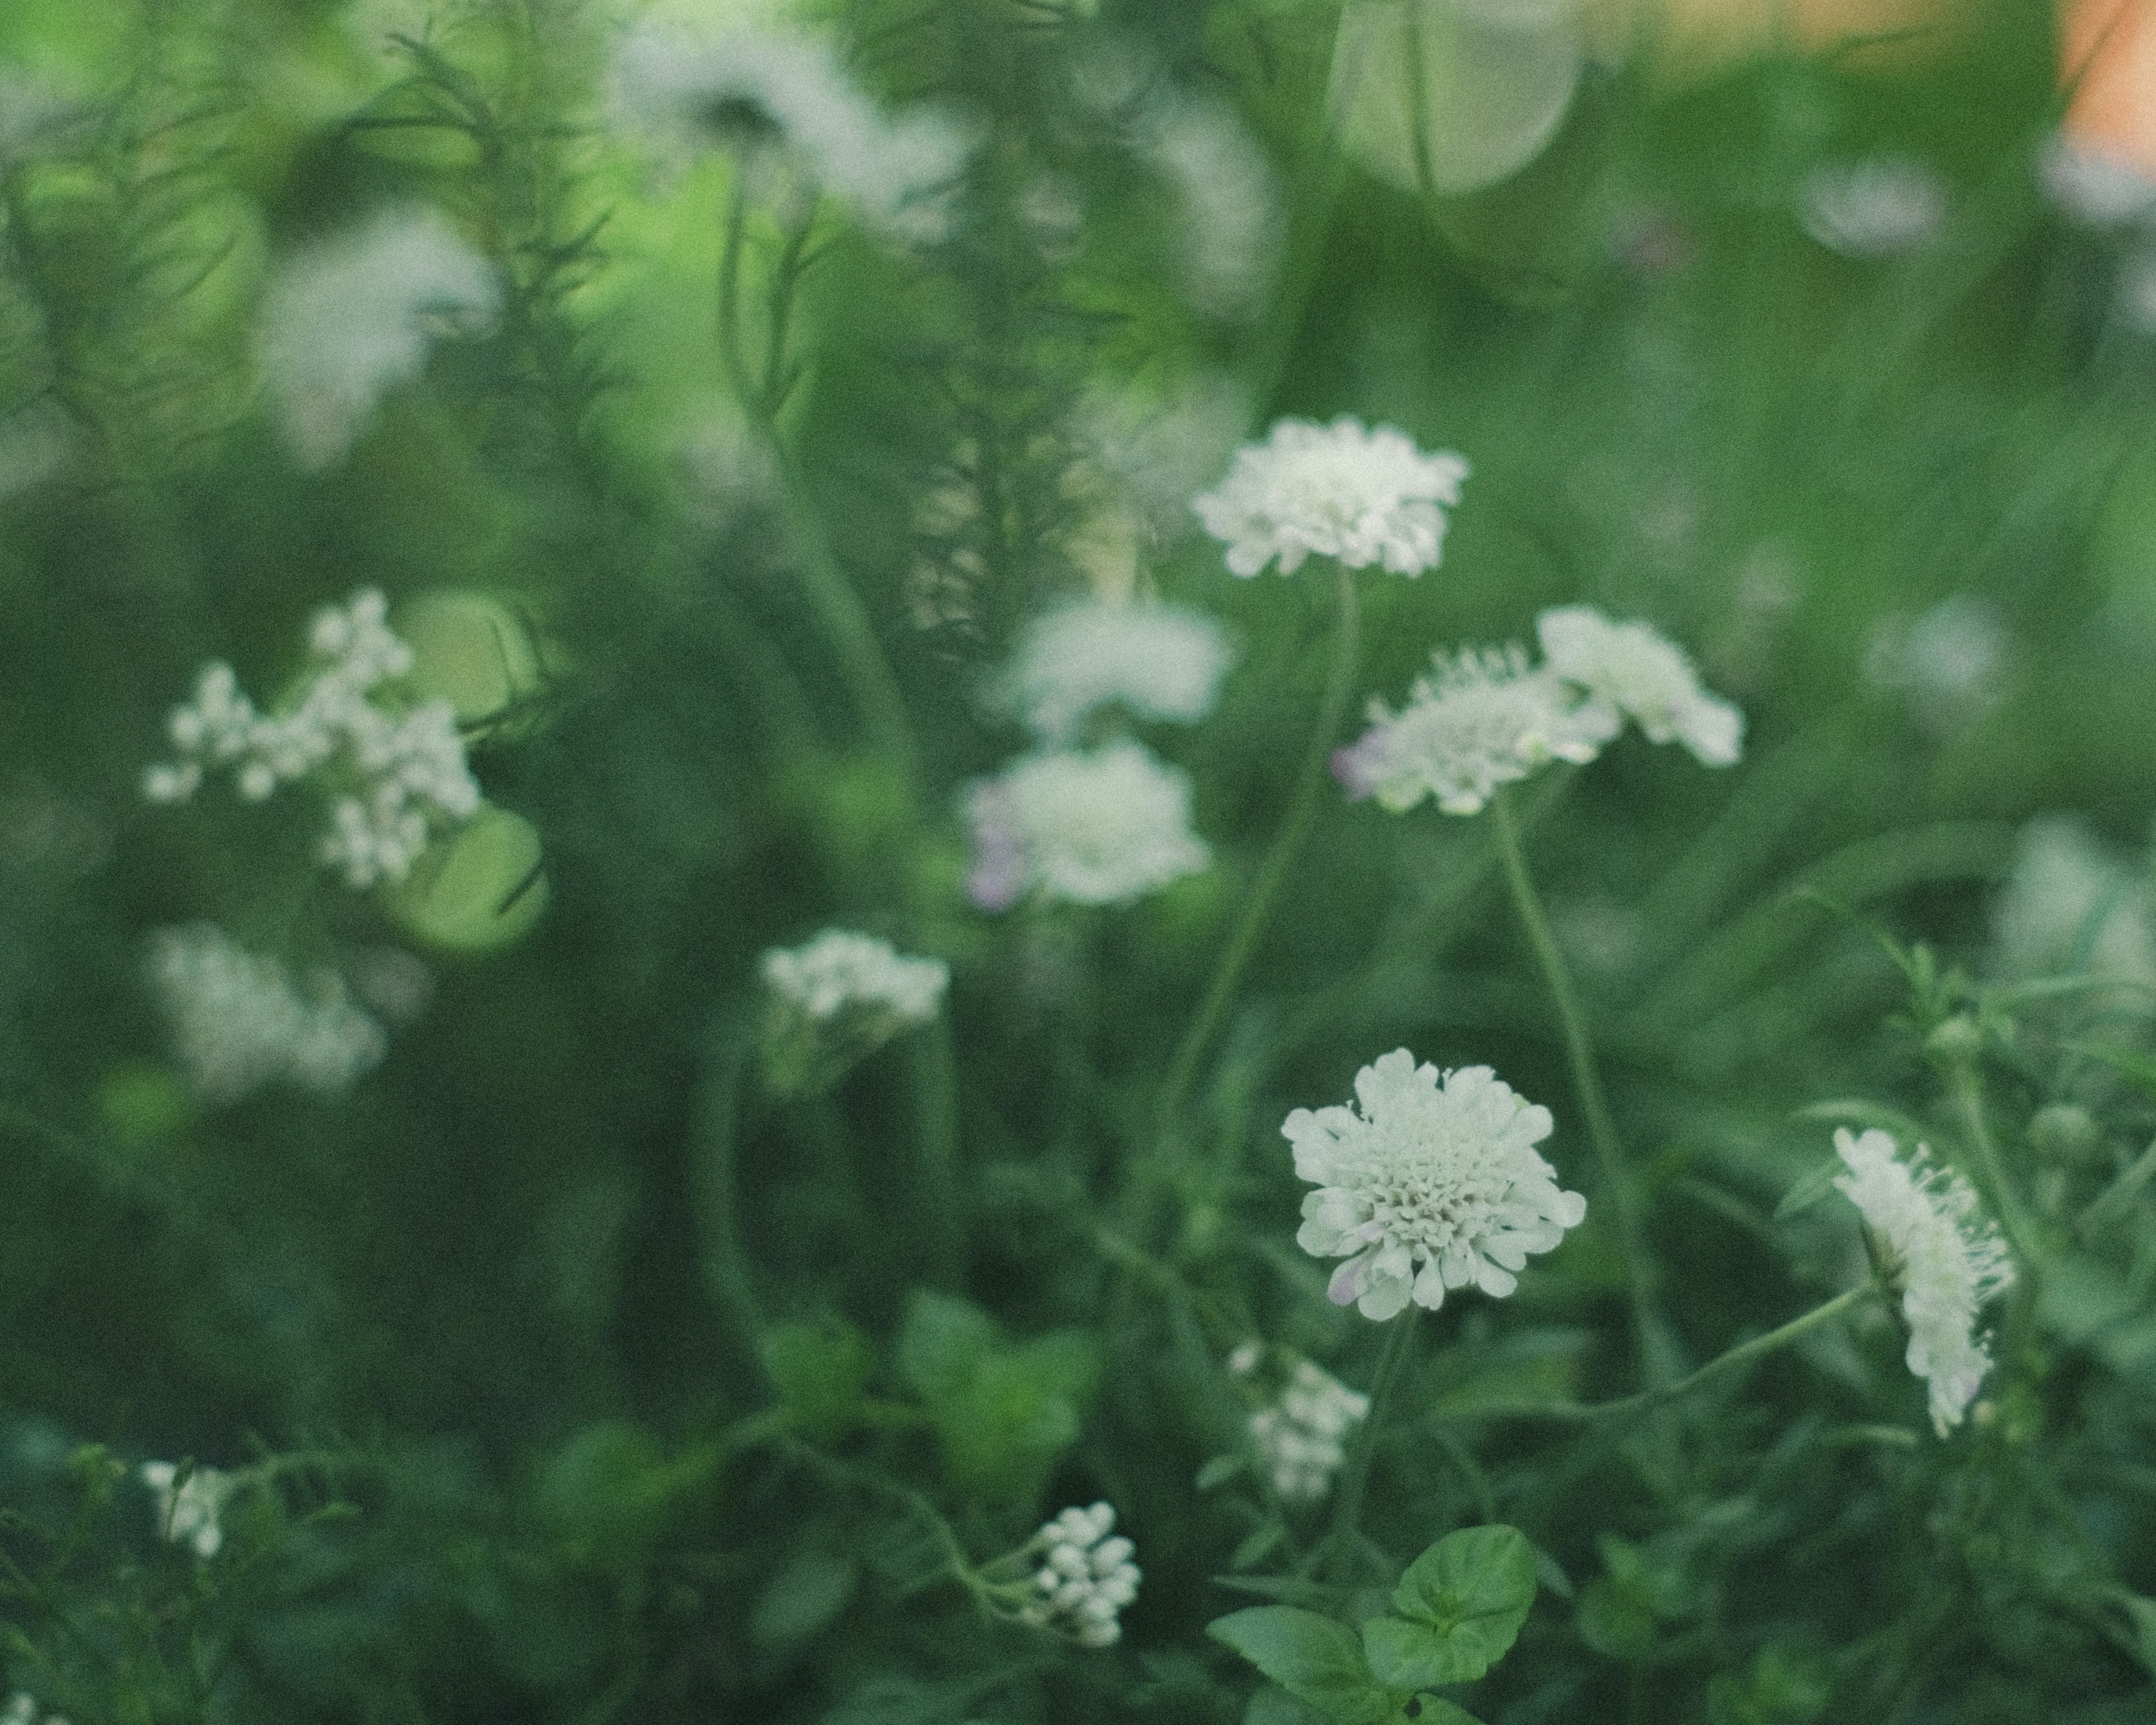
(1935, 1244)
(348, 316)
(1481, 719)
(1438, 1170)
(1633, 671)
(1097, 827)
(1333, 490)
(1300, 1436)
(1160, 661)
(240, 1020)
(396, 773)
(188, 1510)
(898, 173)
(1084, 1578)
(840, 969)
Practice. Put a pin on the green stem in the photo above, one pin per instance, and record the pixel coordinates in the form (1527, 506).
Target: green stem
(933, 1074)
(1579, 1053)
(1257, 907)
(1348, 1506)
(2119, 1193)
(1969, 1096)
(725, 1260)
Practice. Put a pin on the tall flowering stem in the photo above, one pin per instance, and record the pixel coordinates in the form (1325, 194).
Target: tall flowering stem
(1347, 652)
(1339, 1547)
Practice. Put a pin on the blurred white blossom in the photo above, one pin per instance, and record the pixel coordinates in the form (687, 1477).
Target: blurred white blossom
(1300, 1435)
(2101, 190)
(1097, 827)
(22, 1709)
(2069, 906)
(188, 1509)
(240, 1020)
(1946, 662)
(1936, 1246)
(1231, 217)
(1437, 1169)
(1160, 661)
(346, 317)
(396, 774)
(1873, 209)
(1335, 491)
(1086, 1576)
(840, 969)
(1632, 672)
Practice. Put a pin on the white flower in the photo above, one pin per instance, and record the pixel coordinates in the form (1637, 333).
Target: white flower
(1437, 1169)
(1230, 214)
(2071, 907)
(2101, 190)
(1085, 1578)
(840, 969)
(349, 316)
(240, 1021)
(398, 774)
(1948, 662)
(1481, 719)
(1634, 673)
(898, 173)
(1873, 209)
(1299, 1436)
(1159, 661)
(1092, 828)
(22, 1709)
(188, 1510)
(1337, 491)
(1947, 1259)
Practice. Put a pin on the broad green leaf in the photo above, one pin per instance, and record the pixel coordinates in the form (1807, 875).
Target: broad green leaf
(1412, 1656)
(1474, 1588)
(942, 1345)
(820, 1371)
(1313, 1658)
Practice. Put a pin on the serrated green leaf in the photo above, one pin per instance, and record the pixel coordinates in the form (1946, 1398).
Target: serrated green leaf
(1474, 1588)
(1313, 1658)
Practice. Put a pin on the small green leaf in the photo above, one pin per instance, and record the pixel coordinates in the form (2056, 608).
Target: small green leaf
(1474, 1588)
(820, 1371)
(1313, 1658)
(1411, 1655)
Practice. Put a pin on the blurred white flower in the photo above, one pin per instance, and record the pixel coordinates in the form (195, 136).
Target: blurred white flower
(1481, 720)
(2071, 907)
(1947, 662)
(398, 774)
(240, 1020)
(1085, 1578)
(1944, 1255)
(1097, 827)
(1160, 661)
(899, 172)
(1632, 672)
(22, 1709)
(1231, 218)
(1873, 209)
(1299, 1436)
(1336, 490)
(1437, 1169)
(188, 1510)
(2101, 190)
(1163, 451)
(840, 969)
(348, 318)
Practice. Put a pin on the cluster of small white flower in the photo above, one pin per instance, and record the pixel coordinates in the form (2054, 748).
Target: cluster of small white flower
(348, 318)
(1437, 1168)
(188, 1510)
(1335, 491)
(839, 969)
(900, 172)
(22, 1709)
(1946, 1257)
(1085, 1578)
(1160, 661)
(239, 1021)
(404, 769)
(1298, 1435)
(1090, 827)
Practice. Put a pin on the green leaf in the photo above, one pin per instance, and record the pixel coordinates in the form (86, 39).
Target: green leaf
(1313, 1658)
(820, 1371)
(1807, 1189)
(1411, 1655)
(1474, 1588)
(942, 1345)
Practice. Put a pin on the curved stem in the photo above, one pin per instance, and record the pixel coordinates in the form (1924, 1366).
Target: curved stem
(1348, 1505)
(1258, 906)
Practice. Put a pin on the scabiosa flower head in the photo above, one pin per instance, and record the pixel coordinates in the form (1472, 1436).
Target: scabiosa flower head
(188, 1510)
(1481, 719)
(1634, 673)
(1085, 1578)
(240, 1020)
(349, 316)
(1945, 1256)
(396, 772)
(1098, 827)
(1437, 1169)
(1338, 490)
(1299, 1436)
(1159, 661)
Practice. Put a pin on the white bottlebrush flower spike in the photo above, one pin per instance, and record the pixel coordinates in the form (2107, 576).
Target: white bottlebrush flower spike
(1334, 490)
(840, 969)
(1632, 672)
(1085, 1578)
(188, 1510)
(897, 172)
(1939, 1250)
(1436, 1170)
(1158, 660)
(1481, 720)
(348, 318)
(1299, 1436)
(1097, 827)
(240, 1020)
(396, 773)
